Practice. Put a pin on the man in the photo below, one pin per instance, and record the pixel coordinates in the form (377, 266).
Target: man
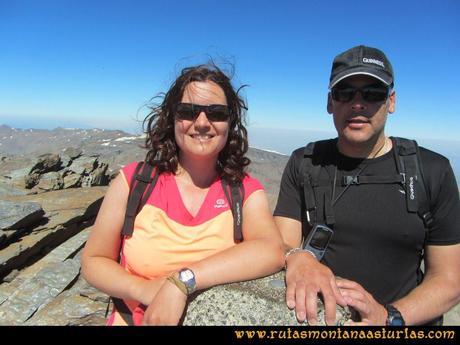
(365, 186)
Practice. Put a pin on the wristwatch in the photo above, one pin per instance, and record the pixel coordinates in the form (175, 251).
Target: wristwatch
(394, 317)
(187, 277)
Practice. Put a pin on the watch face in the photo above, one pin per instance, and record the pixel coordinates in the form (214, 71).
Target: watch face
(188, 278)
(396, 321)
(186, 275)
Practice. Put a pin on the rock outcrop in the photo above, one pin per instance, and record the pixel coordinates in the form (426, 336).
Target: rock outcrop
(16, 215)
(256, 302)
(70, 169)
(49, 292)
(66, 212)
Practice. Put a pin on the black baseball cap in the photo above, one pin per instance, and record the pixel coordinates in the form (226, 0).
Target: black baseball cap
(361, 60)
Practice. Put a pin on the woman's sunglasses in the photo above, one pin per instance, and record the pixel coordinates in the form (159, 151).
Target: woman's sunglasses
(214, 112)
(370, 94)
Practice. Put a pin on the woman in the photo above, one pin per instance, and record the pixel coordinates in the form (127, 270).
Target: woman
(183, 236)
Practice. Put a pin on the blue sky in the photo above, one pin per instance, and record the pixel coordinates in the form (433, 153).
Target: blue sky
(95, 63)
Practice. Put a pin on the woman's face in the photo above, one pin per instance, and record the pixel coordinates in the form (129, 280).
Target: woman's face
(201, 138)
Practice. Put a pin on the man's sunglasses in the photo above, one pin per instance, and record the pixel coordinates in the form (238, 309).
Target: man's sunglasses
(214, 112)
(370, 94)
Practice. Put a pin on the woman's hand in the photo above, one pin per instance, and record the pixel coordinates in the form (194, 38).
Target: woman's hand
(146, 290)
(166, 307)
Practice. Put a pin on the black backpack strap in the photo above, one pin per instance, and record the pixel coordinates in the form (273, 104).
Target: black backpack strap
(137, 198)
(150, 189)
(390, 179)
(325, 210)
(409, 166)
(235, 199)
(308, 172)
(424, 208)
(123, 310)
(317, 193)
(139, 185)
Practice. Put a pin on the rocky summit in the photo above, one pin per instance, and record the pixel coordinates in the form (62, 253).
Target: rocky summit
(51, 187)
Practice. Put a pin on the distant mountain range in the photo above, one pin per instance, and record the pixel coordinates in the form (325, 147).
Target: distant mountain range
(24, 141)
(283, 141)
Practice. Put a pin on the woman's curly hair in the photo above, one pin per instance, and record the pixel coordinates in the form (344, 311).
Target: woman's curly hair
(159, 125)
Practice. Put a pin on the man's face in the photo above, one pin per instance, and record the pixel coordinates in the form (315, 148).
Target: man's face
(360, 120)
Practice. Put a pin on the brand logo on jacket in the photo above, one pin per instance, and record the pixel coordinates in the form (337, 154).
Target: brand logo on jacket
(220, 203)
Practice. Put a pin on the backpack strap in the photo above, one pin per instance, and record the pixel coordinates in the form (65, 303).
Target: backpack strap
(139, 183)
(138, 196)
(409, 165)
(317, 193)
(307, 171)
(123, 310)
(390, 179)
(235, 199)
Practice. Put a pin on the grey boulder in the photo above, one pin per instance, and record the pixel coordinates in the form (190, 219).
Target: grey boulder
(16, 215)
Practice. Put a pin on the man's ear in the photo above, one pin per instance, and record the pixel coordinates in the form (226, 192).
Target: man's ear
(392, 104)
(329, 103)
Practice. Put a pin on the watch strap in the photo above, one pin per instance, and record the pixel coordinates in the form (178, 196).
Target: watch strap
(176, 281)
(394, 317)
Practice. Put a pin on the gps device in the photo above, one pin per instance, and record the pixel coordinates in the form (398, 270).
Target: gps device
(318, 240)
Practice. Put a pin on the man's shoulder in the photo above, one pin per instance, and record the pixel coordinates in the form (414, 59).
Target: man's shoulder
(432, 157)
(434, 164)
(424, 152)
(299, 152)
